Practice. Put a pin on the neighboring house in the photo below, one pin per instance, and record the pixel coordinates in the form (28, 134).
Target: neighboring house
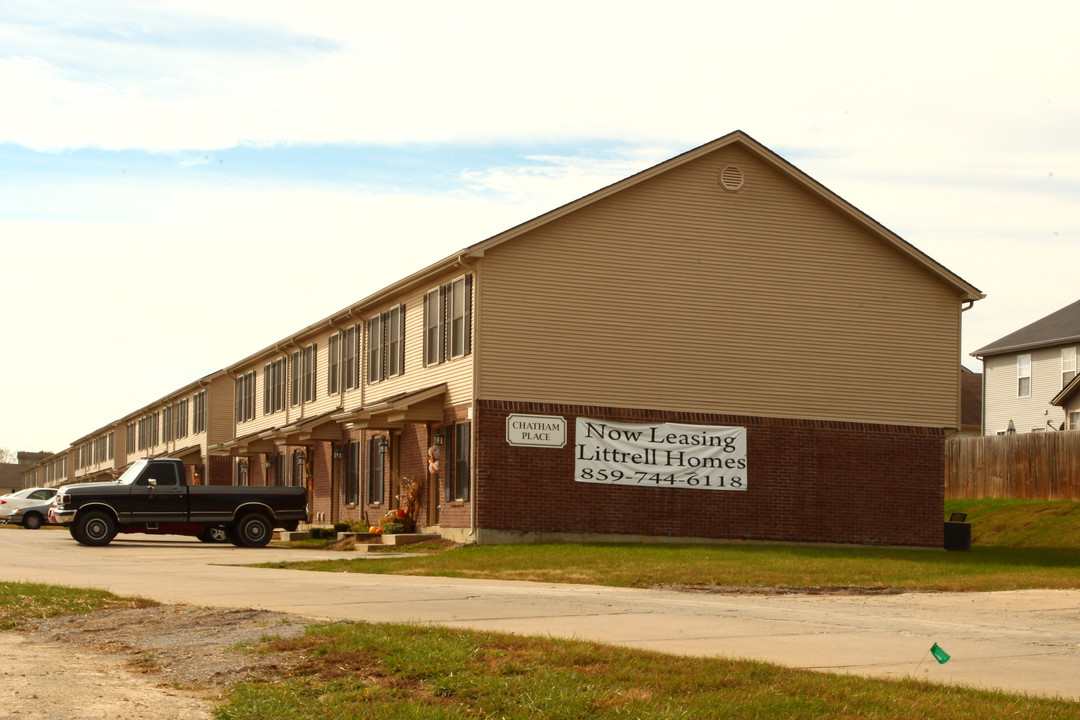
(1069, 402)
(692, 352)
(970, 402)
(12, 475)
(1025, 371)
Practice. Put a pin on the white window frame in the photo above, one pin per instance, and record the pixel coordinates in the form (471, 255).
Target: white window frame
(1068, 365)
(1023, 372)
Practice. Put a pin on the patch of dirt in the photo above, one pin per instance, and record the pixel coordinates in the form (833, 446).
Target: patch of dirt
(158, 662)
(783, 590)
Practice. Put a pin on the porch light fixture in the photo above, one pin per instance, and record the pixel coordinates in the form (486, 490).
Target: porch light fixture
(301, 456)
(438, 438)
(381, 443)
(338, 453)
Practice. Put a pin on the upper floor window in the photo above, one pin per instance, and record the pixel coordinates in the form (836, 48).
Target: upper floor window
(1068, 365)
(245, 397)
(199, 412)
(333, 366)
(386, 344)
(304, 374)
(448, 321)
(130, 437)
(274, 386)
(1023, 376)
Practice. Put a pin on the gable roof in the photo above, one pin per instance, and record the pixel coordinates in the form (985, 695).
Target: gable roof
(966, 291)
(1058, 328)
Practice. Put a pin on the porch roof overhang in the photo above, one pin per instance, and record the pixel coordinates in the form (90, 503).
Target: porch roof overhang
(184, 452)
(418, 406)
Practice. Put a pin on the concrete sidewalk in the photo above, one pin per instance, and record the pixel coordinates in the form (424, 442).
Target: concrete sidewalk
(1027, 641)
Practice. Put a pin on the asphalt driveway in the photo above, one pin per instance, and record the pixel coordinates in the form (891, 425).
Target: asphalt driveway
(1025, 641)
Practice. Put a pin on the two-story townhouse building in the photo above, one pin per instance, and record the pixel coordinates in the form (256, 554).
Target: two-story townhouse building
(720, 291)
(183, 425)
(1024, 372)
(49, 471)
(692, 352)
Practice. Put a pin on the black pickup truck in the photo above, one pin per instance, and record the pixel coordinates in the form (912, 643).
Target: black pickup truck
(153, 497)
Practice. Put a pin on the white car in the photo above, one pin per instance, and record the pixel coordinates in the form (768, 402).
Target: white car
(25, 498)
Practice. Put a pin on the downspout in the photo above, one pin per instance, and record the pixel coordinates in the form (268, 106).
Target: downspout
(474, 499)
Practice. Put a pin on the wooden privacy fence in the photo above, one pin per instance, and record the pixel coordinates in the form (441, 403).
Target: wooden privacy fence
(1034, 466)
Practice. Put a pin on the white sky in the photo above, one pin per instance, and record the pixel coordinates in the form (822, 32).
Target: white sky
(359, 141)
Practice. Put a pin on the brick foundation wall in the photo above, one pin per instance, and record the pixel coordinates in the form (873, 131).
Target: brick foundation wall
(321, 457)
(808, 481)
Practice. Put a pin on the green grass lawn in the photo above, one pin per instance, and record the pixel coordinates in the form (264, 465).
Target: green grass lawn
(393, 672)
(362, 671)
(1016, 545)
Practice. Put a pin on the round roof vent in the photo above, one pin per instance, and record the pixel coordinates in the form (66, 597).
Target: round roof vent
(731, 177)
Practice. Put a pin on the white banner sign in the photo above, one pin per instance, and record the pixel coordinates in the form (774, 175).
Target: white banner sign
(701, 457)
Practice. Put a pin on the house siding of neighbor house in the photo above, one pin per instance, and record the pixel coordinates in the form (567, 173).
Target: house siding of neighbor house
(721, 299)
(1025, 370)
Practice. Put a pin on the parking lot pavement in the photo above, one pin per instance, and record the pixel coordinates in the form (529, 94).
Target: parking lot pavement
(1027, 641)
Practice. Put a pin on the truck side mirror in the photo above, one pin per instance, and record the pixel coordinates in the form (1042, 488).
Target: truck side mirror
(152, 482)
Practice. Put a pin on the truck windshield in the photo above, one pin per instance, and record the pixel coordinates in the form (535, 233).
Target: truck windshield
(131, 473)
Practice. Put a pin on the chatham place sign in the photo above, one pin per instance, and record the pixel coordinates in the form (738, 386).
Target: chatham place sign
(536, 430)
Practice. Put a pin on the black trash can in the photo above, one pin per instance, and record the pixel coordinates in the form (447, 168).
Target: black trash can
(957, 535)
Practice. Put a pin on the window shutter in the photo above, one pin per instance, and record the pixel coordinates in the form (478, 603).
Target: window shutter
(401, 341)
(468, 314)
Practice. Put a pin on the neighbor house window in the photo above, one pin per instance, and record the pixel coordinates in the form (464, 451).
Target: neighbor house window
(448, 321)
(1068, 365)
(130, 437)
(1023, 376)
(458, 444)
(1074, 420)
(386, 344)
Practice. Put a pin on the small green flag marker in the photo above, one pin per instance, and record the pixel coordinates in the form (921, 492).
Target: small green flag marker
(940, 655)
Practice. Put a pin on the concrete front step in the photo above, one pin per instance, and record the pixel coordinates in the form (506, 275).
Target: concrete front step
(397, 539)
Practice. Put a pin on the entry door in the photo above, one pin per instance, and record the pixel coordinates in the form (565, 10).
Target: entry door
(164, 501)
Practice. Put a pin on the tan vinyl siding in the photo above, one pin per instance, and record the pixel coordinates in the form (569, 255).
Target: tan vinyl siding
(456, 373)
(1001, 402)
(678, 294)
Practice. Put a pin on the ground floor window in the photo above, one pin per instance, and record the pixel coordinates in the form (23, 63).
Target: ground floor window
(458, 445)
(352, 474)
(376, 450)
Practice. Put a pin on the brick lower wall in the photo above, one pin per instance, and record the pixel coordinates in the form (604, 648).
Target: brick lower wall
(808, 481)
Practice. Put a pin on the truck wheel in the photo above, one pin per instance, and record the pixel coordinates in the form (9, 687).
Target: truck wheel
(95, 528)
(214, 534)
(253, 530)
(32, 521)
(71, 531)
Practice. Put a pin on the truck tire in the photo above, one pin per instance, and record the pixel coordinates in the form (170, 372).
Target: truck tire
(252, 530)
(32, 521)
(95, 528)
